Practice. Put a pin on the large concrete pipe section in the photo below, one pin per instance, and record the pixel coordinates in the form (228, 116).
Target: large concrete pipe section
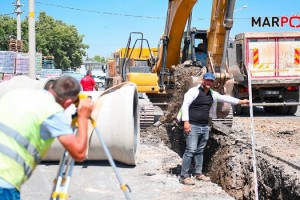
(23, 82)
(117, 118)
(116, 113)
(118, 122)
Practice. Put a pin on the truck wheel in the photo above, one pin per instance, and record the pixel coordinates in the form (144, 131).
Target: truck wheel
(237, 110)
(292, 110)
(246, 110)
(269, 109)
(281, 110)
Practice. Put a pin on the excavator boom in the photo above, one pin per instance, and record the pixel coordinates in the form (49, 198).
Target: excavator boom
(214, 41)
(179, 11)
(177, 15)
(218, 33)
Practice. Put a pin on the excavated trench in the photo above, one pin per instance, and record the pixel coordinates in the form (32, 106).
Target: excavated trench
(231, 167)
(228, 162)
(228, 155)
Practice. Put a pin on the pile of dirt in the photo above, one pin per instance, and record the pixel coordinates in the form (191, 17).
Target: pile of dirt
(184, 78)
(169, 131)
(277, 158)
(227, 160)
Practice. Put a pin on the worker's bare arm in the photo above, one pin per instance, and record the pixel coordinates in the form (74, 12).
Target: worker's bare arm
(76, 144)
(187, 127)
(244, 101)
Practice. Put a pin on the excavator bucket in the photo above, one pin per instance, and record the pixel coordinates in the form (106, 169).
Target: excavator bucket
(224, 109)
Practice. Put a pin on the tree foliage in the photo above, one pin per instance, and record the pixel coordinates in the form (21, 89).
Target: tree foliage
(53, 38)
(99, 59)
(7, 28)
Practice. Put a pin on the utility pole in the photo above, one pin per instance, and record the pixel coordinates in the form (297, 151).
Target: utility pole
(16, 44)
(18, 12)
(31, 36)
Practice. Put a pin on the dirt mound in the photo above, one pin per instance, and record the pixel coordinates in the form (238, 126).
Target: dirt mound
(170, 131)
(277, 158)
(183, 76)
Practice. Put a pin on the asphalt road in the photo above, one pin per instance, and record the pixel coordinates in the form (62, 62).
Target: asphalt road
(148, 180)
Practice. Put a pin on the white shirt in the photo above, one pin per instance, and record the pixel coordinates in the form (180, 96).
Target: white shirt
(192, 94)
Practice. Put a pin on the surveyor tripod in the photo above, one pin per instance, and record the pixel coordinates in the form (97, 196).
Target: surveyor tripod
(62, 180)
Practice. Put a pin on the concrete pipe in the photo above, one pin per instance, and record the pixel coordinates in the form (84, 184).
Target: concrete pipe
(118, 122)
(116, 114)
(23, 82)
(117, 117)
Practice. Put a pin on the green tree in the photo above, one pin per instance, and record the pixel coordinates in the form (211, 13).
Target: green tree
(99, 59)
(61, 41)
(7, 28)
(53, 38)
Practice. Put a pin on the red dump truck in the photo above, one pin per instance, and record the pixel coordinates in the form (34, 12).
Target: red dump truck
(273, 63)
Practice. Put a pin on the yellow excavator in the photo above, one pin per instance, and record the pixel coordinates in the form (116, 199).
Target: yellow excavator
(215, 41)
(152, 69)
(133, 64)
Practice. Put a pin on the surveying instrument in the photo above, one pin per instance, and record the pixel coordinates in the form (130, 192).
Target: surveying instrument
(66, 164)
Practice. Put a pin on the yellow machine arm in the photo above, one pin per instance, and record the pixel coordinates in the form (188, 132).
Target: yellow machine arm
(218, 34)
(178, 13)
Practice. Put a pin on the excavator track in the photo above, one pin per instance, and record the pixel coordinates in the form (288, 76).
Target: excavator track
(147, 104)
(146, 113)
(228, 121)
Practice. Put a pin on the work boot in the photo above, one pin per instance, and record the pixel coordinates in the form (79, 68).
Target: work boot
(186, 181)
(202, 177)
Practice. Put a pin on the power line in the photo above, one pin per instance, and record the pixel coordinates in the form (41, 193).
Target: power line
(2, 15)
(112, 13)
(99, 12)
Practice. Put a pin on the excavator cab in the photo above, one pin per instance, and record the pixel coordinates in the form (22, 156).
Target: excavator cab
(190, 46)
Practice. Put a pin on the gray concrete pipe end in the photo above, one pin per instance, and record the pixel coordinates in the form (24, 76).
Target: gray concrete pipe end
(24, 82)
(117, 118)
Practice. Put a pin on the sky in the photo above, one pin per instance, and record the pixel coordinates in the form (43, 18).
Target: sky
(106, 24)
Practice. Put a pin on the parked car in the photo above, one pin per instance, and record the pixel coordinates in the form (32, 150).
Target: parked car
(100, 81)
(76, 75)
